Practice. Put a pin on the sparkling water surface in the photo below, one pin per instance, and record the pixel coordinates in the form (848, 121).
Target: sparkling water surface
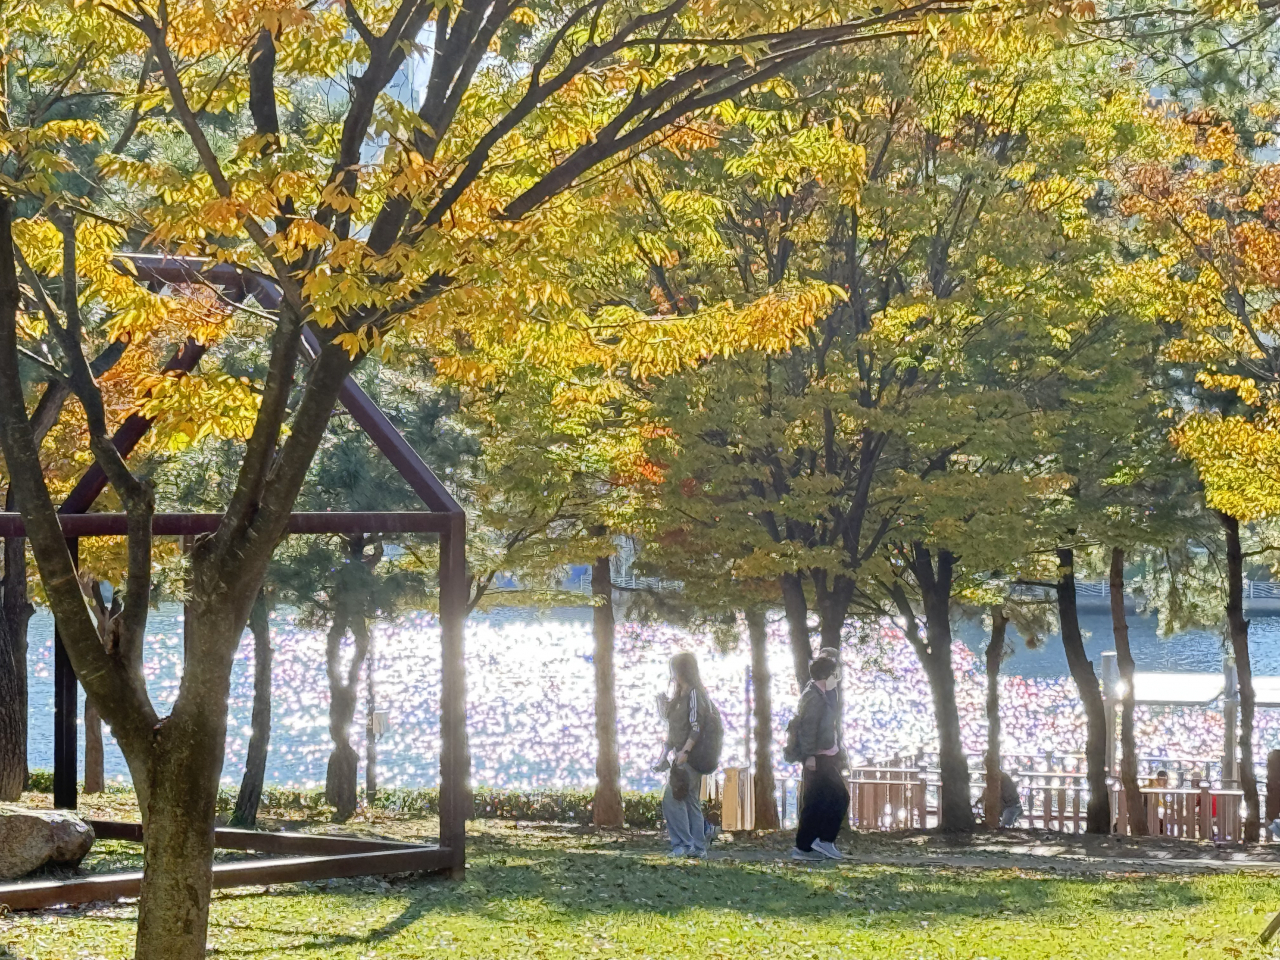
(530, 695)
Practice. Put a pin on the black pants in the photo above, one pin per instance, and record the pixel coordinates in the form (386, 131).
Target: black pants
(824, 803)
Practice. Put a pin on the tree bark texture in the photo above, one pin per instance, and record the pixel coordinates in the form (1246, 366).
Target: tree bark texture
(1273, 786)
(832, 601)
(249, 798)
(797, 611)
(766, 791)
(1098, 817)
(606, 807)
(370, 728)
(15, 614)
(1135, 807)
(934, 652)
(1238, 629)
(94, 776)
(344, 684)
(995, 656)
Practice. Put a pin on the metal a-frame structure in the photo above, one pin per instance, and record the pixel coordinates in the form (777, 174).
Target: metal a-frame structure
(305, 857)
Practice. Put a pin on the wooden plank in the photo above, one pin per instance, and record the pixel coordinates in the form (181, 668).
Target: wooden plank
(38, 894)
(262, 841)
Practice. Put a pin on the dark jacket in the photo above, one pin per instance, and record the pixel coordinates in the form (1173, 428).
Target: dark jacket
(816, 722)
(1008, 791)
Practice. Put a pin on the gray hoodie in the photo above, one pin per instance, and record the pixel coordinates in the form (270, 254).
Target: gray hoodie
(816, 729)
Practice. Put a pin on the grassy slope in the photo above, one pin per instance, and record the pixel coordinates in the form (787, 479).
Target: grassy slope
(529, 895)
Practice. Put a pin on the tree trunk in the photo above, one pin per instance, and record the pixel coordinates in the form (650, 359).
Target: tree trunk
(797, 611)
(995, 656)
(178, 822)
(606, 807)
(1136, 808)
(833, 607)
(1273, 786)
(956, 805)
(1086, 680)
(255, 761)
(1238, 628)
(370, 730)
(176, 767)
(344, 762)
(15, 613)
(766, 791)
(94, 778)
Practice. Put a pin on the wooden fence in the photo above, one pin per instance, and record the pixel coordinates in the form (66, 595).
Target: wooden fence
(892, 798)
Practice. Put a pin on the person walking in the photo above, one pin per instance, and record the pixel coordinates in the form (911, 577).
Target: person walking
(824, 796)
(694, 736)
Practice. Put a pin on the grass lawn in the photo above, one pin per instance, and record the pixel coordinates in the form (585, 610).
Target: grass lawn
(554, 894)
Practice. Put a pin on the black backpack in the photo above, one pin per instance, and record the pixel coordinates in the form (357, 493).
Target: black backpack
(705, 755)
(791, 749)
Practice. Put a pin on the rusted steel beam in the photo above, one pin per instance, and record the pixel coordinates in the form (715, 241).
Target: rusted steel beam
(391, 442)
(38, 894)
(352, 396)
(182, 524)
(455, 757)
(66, 707)
(262, 841)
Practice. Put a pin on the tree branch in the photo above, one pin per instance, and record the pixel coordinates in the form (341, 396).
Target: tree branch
(116, 687)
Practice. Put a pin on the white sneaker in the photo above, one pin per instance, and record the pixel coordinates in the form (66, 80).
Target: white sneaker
(1274, 829)
(828, 849)
(811, 856)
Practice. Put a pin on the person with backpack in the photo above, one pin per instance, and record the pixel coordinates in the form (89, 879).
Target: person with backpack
(695, 736)
(813, 739)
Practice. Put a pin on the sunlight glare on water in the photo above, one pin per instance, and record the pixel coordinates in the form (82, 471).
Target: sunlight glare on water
(530, 693)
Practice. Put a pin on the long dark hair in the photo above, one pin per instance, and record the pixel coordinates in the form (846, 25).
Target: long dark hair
(684, 668)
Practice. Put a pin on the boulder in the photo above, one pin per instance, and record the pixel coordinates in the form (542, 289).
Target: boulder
(29, 839)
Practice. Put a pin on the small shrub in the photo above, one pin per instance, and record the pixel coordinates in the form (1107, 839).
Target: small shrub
(640, 810)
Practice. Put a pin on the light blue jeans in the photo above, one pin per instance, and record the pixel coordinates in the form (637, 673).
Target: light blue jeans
(685, 826)
(1010, 816)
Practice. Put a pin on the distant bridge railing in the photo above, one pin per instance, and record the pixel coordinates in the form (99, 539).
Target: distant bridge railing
(1101, 590)
(582, 584)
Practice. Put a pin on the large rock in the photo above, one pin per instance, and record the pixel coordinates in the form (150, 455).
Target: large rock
(29, 839)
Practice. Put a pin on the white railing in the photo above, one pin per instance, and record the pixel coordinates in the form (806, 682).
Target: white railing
(1101, 590)
(582, 584)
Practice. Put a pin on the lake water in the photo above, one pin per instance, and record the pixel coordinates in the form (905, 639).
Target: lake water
(530, 695)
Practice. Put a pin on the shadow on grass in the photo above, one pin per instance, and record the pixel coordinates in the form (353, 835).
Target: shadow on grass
(522, 882)
(530, 885)
(413, 911)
